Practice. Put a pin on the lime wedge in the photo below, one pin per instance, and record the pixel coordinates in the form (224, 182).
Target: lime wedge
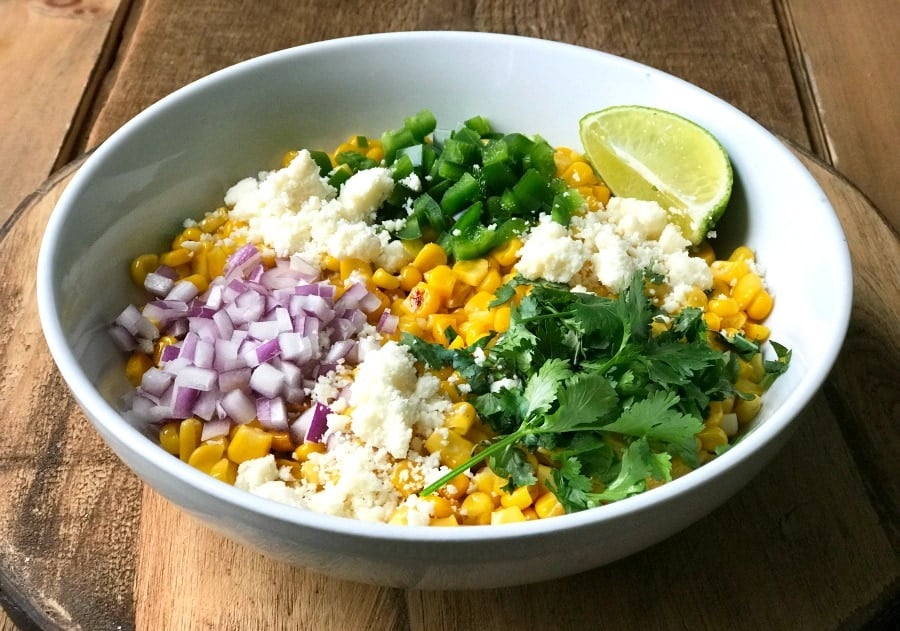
(654, 155)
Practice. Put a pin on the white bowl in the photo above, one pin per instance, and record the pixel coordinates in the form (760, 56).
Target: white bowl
(177, 158)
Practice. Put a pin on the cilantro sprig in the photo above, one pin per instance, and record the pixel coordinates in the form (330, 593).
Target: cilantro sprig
(583, 373)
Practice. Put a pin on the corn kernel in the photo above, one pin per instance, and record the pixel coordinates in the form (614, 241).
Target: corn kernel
(742, 253)
(281, 441)
(729, 271)
(441, 279)
(143, 265)
(176, 257)
(406, 478)
(508, 253)
(477, 503)
(456, 488)
(168, 438)
(189, 437)
(507, 515)
(449, 520)
(207, 454)
(431, 255)
(547, 505)
(746, 409)
(302, 452)
(756, 332)
(746, 289)
(471, 272)
(723, 307)
(761, 306)
(350, 266)
(522, 497)
(460, 417)
(409, 277)
(136, 366)
(213, 221)
(248, 443)
(491, 282)
(385, 280)
(453, 448)
(440, 506)
(224, 470)
(422, 300)
(712, 437)
(199, 281)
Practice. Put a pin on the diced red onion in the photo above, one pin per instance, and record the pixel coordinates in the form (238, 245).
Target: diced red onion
(158, 284)
(215, 428)
(205, 405)
(267, 380)
(154, 381)
(122, 338)
(183, 404)
(183, 290)
(201, 379)
(243, 259)
(236, 379)
(318, 424)
(388, 322)
(338, 351)
(306, 270)
(272, 413)
(239, 406)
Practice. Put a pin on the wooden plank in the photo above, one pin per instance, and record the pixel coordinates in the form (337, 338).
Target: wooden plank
(706, 43)
(49, 51)
(850, 53)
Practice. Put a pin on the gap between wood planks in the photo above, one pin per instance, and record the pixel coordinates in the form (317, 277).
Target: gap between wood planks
(809, 106)
(73, 144)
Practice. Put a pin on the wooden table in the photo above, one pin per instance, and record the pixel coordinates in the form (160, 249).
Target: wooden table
(811, 543)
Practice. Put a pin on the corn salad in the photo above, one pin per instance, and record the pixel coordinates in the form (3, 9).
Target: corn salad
(453, 303)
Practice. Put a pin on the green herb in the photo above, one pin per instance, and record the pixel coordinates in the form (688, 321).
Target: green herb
(581, 368)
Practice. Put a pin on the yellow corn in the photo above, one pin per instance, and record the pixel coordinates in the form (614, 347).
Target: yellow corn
(431, 255)
(143, 265)
(461, 417)
(385, 280)
(441, 280)
(208, 454)
(746, 409)
(168, 438)
(476, 504)
(761, 306)
(508, 253)
(440, 506)
(249, 443)
(176, 257)
(302, 452)
(136, 366)
(471, 272)
(746, 289)
(281, 441)
(449, 520)
(507, 515)
(522, 497)
(422, 300)
(214, 220)
(224, 470)
(547, 505)
(410, 277)
(453, 448)
(712, 437)
(350, 266)
(406, 478)
(189, 437)
(188, 234)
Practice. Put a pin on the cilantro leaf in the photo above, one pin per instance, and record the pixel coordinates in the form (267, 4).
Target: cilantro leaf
(583, 401)
(542, 388)
(639, 462)
(653, 418)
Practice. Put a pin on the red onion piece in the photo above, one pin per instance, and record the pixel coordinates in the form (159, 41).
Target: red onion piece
(240, 407)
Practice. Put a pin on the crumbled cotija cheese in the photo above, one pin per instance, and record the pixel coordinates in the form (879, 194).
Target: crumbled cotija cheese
(294, 210)
(606, 247)
(391, 410)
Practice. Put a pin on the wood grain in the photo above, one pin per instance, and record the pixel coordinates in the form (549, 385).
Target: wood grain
(87, 548)
(707, 43)
(850, 58)
(49, 51)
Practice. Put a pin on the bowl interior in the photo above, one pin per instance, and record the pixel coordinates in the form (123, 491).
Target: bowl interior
(177, 159)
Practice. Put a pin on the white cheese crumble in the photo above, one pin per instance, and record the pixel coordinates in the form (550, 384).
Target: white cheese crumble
(391, 410)
(294, 210)
(603, 249)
